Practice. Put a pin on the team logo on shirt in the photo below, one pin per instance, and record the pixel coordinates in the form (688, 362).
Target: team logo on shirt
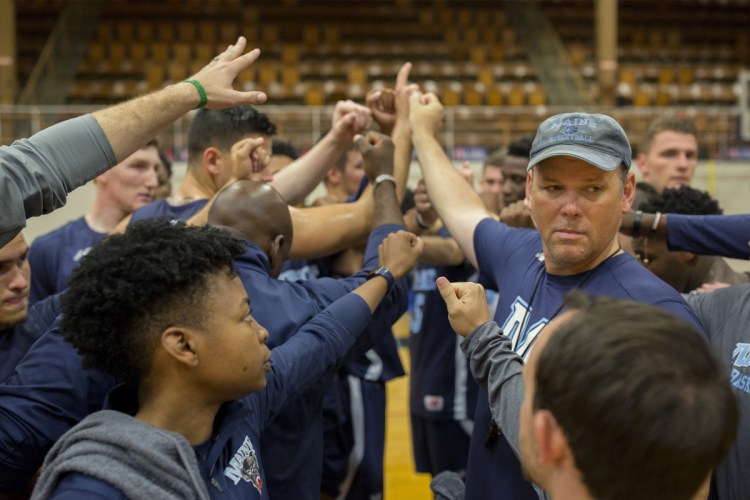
(81, 254)
(741, 359)
(244, 465)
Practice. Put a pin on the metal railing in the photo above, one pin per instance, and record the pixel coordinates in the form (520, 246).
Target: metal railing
(478, 127)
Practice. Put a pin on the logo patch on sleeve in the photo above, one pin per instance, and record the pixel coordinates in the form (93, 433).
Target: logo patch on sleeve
(244, 465)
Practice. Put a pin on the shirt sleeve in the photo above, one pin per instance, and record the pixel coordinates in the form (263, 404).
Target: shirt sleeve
(77, 486)
(36, 174)
(722, 235)
(498, 369)
(313, 350)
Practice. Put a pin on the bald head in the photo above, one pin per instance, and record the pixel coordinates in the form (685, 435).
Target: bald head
(255, 209)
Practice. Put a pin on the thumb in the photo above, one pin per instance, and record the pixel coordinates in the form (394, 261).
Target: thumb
(446, 291)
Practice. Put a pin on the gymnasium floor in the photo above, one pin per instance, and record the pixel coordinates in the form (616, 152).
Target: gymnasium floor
(401, 482)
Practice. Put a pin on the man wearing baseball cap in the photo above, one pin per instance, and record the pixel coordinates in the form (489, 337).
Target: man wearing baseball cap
(578, 186)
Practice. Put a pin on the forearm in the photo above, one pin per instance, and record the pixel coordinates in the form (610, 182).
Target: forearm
(387, 207)
(402, 156)
(457, 204)
(321, 231)
(130, 125)
(440, 251)
(299, 178)
(498, 369)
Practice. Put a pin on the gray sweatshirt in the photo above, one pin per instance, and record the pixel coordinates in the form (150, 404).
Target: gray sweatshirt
(497, 368)
(136, 458)
(36, 174)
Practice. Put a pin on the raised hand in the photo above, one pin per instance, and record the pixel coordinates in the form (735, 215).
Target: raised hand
(250, 160)
(217, 77)
(377, 154)
(349, 119)
(382, 104)
(399, 252)
(425, 113)
(467, 305)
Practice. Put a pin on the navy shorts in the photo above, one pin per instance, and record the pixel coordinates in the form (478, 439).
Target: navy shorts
(440, 445)
(354, 438)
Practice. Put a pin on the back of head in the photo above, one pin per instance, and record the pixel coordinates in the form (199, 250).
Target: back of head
(220, 128)
(665, 123)
(682, 200)
(253, 208)
(132, 286)
(520, 148)
(496, 159)
(644, 403)
(285, 148)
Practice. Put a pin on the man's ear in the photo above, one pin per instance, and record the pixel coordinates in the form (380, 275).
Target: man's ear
(180, 343)
(211, 159)
(274, 250)
(628, 192)
(529, 180)
(333, 175)
(550, 438)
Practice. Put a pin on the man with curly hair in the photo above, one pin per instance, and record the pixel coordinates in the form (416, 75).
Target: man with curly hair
(161, 307)
(685, 271)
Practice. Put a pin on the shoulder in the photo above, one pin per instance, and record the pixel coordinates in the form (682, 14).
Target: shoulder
(50, 240)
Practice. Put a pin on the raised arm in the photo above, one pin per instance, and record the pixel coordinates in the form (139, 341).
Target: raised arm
(128, 126)
(300, 177)
(457, 204)
(325, 340)
(720, 235)
(38, 173)
(325, 230)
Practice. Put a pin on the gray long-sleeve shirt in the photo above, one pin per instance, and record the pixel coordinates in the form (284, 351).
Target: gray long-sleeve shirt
(497, 368)
(36, 174)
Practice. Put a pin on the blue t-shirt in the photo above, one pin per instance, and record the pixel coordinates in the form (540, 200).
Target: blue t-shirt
(440, 385)
(54, 256)
(162, 208)
(512, 259)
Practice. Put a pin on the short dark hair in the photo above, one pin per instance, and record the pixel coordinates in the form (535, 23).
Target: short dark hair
(644, 402)
(132, 286)
(521, 147)
(165, 161)
(496, 159)
(221, 128)
(682, 200)
(285, 148)
(671, 123)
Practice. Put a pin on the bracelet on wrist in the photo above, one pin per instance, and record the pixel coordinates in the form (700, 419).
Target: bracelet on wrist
(383, 178)
(383, 272)
(201, 92)
(657, 219)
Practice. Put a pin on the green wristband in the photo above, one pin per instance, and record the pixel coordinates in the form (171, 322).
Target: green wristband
(201, 91)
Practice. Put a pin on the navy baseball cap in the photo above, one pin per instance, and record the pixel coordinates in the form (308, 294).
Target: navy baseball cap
(595, 139)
